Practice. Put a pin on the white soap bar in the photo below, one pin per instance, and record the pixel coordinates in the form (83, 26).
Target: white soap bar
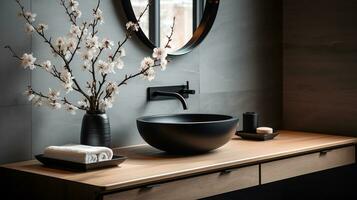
(264, 130)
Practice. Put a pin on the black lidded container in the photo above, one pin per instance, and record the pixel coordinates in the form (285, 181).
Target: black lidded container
(250, 122)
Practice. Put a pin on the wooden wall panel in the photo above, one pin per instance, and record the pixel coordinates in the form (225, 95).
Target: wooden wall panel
(320, 66)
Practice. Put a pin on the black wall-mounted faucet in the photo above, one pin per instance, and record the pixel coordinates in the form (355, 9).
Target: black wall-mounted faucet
(180, 92)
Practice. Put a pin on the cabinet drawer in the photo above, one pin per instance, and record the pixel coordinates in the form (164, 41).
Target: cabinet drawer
(195, 187)
(300, 165)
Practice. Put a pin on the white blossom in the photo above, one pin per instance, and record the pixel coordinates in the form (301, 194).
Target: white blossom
(106, 103)
(55, 105)
(107, 43)
(60, 44)
(159, 53)
(47, 65)
(29, 93)
(28, 61)
(149, 74)
(112, 88)
(42, 27)
(147, 62)
(71, 108)
(131, 26)
(30, 16)
(77, 13)
(147, 65)
(73, 5)
(105, 68)
(87, 55)
(98, 15)
(74, 31)
(118, 63)
(68, 86)
(92, 42)
(83, 103)
(29, 28)
(66, 76)
(71, 44)
(53, 94)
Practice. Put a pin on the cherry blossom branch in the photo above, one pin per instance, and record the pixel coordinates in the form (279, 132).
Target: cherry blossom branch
(143, 71)
(54, 71)
(128, 35)
(80, 38)
(48, 41)
(67, 52)
(70, 14)
(64, 99)
(124, 81)
(95, 20)
(169, 37)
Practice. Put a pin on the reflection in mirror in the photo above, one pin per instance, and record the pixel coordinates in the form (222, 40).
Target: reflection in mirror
(166, 10)
(138, 7)
(182, 10)
(193, 21)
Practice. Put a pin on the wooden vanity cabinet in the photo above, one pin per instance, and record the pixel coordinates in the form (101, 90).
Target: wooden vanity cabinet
(151, 174)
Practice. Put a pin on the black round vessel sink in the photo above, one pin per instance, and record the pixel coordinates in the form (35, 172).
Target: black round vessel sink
(187, 133)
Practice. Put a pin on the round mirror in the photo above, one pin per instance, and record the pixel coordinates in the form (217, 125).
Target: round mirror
(193, 21)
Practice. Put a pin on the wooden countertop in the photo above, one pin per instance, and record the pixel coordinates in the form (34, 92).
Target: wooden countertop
(147, 165)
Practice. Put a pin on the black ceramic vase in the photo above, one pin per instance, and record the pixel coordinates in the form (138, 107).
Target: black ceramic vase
(95, 129)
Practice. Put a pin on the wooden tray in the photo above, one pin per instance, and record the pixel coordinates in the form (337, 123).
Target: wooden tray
(256, 136)
(73, 166)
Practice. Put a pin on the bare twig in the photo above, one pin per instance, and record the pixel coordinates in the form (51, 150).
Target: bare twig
(169, 37)
(13, 52)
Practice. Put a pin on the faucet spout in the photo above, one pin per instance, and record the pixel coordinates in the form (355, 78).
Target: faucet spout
(173, 94)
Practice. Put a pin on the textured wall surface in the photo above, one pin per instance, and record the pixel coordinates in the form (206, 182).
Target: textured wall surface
(319, 64)
(236, 69)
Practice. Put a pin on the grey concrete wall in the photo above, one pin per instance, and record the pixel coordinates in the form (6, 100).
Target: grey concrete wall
(319, 64)
(236, 69)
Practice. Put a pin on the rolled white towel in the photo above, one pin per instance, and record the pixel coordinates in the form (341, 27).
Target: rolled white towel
(103, 153)
(78, 153)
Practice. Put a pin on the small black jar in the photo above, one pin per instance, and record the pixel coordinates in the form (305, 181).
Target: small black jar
(95, 129)
(250, 122)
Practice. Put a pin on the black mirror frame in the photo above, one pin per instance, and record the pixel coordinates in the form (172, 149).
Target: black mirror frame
(208, 18)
